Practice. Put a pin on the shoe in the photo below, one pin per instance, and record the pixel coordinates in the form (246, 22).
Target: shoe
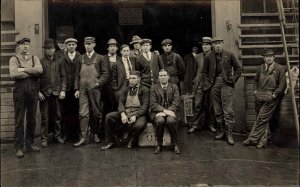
(212, 129)
(32, 148)
(176, 149)
(59, 140)
(220, 136)
(44, 143)
(193, 130)
(247, 143)
(96, 138)
(80, 143)
(19, 153)
(157, 150)
(108, 146)
(230, 140)
(130, 144)
(260, 146)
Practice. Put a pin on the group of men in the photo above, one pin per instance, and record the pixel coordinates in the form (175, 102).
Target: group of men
(85, 95)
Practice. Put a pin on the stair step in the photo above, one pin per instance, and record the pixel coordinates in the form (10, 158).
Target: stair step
(266, 35)
(8, 44)
(294, 61)
(266, 25)
(5, 75)
(267, 46)
(260, 56)
(4, 67)
(275, 14)
(7, 83)
(8, 54)
(9, 32)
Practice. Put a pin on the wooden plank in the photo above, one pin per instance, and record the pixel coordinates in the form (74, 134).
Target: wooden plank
(9, 32)
(8, 54)
(266, 25)
(260, 56)
(250, 106)
(7, 109)
(6, 122)
(4, 90)
(7, 115)
(249, 87)
(7, 102)
(264, 14)
(8, 43)
(7, 134)
(250, 99)
(7, 128)
(7, 83)
(6, 96)
(250, 117)
(241, 46)
(266, 35)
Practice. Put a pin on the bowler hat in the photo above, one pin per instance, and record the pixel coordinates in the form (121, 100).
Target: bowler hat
(112, 41)
(135, 39)
(216, 38)
(61, 37)
(22, 40)
(89, 39)
(206, 40)
(166, 41)
(48, 43)
(268, 52)
(69, 40)
(133, 72)
(145, 40)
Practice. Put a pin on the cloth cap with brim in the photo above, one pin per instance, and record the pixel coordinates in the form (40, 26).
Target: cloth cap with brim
(166, 41)
(89, 40)
(112, 41)
(71, 40)
(48, 43)
(216, 39)
(23, 40)
(143, 41)
(137, 73)
(135, 39)
(268, 52)
(206, 40)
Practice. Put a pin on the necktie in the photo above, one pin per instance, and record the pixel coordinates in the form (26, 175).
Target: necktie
(147, 57)
(129, 64)
(268, 67)
(133, 90)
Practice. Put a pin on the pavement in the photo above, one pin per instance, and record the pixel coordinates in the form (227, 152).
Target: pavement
(203, 162)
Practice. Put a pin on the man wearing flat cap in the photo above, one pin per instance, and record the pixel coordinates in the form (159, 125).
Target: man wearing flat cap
(91, 75)
(136, 52)
(203, 103)
(173, 62)
(220, 73)
(25, 69)
(52, 88)
(148, 64)
(132, 111)
(70, 105)
(109, 101)
(269, 86)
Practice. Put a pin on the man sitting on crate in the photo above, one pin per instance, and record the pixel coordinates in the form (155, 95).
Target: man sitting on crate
(131, 115)
(164, 100)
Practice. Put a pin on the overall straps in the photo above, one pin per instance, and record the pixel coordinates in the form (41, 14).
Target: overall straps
(33, 63)
(18, 61)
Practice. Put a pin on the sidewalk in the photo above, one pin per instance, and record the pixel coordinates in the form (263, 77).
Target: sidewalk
(203, 162)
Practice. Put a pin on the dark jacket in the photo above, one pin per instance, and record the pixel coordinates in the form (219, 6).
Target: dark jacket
(149, 70)
(157, 96)
(174, 65)
(53, 79)
(110, 65)
(70, 67)
(275, 84)
(118, 76)
(231, 70)
(191, 68)
(143, 94)
(100, 65)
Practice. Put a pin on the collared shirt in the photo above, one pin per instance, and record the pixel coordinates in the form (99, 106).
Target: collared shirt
(147, 55)
(126, 65)
(194, 54)
(267, 66)
(112, 58)
(90, 54)
(164, 86)
(72, 55)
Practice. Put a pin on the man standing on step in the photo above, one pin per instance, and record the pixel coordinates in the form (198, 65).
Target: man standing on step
(70, 105)
(25, 69)
(269, 86)
(52, 88)
(132, 111)
(90, 76)
(220, 73)
(164, 101)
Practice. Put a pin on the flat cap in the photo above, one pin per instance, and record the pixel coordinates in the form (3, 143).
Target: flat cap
(206, 40)
(22, 40)
(89, 39)
(112, 41)
(216, 38)
(135, 39)
(69, 40)
(133, 72)
(268, 52)
(48, 43)
(145, 40)
(166, 41)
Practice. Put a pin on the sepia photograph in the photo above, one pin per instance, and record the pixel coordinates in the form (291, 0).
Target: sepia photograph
(154, 93)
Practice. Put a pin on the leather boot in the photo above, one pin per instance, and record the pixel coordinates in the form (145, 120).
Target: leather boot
(229, 137)
(19, 153)
(221, 133)
(80, 143)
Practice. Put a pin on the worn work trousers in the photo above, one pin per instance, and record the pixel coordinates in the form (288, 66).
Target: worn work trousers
(265, 105)
(69, 115)
(222, 98)
(25, 96)
(50, 109)
(90, 111)
(171, 124)
(113, 123)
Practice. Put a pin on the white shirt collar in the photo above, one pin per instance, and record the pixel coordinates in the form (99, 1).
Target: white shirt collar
(164, 85)
(149, 55)
(90, 54)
